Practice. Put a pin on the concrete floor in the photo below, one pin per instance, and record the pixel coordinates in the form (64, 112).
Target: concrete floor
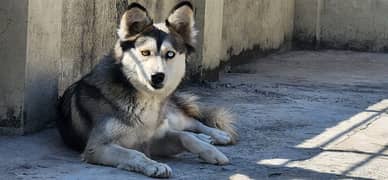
(302, 114)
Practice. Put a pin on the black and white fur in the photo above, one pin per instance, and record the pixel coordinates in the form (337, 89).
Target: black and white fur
(125, 110)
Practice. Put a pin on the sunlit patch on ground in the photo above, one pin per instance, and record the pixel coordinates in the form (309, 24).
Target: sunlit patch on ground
(354, 145)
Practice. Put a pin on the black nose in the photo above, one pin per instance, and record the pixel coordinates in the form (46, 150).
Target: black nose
(157, 80)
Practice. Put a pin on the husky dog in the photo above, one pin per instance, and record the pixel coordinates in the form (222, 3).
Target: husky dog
(126, 109)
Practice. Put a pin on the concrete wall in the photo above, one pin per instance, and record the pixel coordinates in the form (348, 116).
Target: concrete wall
(255, 26)
(306, 22)
(242, 30)
(47, 45)
(41, 72)
(89, 32)
(346, 24)
(13, 31)
(29, 48)
(212, 33)
(226, 28)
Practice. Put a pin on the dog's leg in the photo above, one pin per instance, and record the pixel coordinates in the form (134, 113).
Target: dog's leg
(101, 149)
(206, 151)
(220, 137)
(128, 159)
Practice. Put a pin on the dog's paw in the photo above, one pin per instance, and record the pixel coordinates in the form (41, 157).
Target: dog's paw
(159, 170)
(221, 137)
(205, 138)
(213, 156)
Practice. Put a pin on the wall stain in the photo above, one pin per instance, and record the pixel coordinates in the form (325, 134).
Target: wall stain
(11, 118)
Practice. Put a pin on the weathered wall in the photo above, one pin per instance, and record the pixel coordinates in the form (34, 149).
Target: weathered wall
(259, 25)
(212, 40)
(43, 53)
(89, 32)
(305, 22)
(29, 48)
(48, 45)
(13, 32)
(347, 24)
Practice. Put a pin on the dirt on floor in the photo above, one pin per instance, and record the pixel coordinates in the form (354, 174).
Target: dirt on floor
(301, 114)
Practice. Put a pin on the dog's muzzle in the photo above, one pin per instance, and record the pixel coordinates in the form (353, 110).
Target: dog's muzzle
(157, 80)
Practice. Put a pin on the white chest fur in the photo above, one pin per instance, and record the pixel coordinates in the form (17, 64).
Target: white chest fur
(147, 111)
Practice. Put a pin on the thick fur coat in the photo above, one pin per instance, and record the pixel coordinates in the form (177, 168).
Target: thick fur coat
(126, 109)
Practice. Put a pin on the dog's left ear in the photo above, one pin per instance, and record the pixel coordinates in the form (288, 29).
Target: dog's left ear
(181, 21)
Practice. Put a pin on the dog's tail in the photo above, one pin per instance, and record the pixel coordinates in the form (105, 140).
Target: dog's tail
(219, 118)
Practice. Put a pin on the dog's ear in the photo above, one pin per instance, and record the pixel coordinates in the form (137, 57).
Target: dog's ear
(134, 21)
(181, 21)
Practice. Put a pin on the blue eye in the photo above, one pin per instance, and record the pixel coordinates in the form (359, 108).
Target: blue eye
(170, 54)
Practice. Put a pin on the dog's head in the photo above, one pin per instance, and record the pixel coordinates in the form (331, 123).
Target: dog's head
(153, 56)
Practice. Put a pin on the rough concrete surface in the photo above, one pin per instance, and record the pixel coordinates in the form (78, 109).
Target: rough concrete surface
(29, 50)
(302, 114)
(41, 66)
(12, 68)
(347, 24)
(260, 25)
(89, 31)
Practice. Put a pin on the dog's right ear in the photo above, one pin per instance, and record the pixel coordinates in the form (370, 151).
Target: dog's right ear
(134, 21)
(181, 21)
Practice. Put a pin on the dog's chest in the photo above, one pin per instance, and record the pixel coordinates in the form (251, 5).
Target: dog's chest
(147, 114)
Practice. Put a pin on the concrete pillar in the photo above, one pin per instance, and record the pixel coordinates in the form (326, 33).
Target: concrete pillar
(212, 39)
(88, 32)
(29, 47)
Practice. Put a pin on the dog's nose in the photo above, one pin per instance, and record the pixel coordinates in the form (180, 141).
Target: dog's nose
(157, 80)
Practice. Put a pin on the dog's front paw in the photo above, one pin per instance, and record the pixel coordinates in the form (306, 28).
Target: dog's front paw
(221, 137)
(213, 156)
(205, 138)
(159, 170)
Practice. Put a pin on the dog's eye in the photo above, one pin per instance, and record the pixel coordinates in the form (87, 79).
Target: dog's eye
(170, 54)
(145, 53)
